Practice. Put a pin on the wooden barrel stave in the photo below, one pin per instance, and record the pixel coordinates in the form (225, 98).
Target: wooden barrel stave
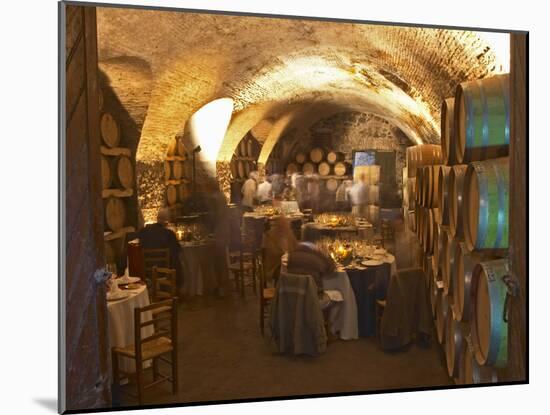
(115, 213)
(125, 172)
(447, 132)
(240, 169)
(171, 195)
(110, 131)
(106, 176)
(422, 155)
(334, 156)
(456, 200)
(324, 168)
(482, 119)
(486, 205)
(443, 194)
(442, 308)
(473, 372)
(316, 155)
(489, 329)
(341, 168)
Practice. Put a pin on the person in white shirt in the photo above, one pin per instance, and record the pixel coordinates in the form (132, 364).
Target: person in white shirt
(249, 191)
(263, 194)
(342, 196)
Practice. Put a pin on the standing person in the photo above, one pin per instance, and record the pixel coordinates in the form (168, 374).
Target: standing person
(359, 197)
(314, 191)
(342, 195)
(249, 191)
(264, 192)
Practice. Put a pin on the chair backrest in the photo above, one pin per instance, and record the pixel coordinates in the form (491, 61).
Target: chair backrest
(159, 257)
(163, 283)
(164, 311)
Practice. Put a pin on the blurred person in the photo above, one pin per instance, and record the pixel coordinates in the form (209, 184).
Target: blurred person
(342, 195)
(314, 192)
(158, 236)
(249, 191)
(359, 197)
(264, 191)
(277, 240)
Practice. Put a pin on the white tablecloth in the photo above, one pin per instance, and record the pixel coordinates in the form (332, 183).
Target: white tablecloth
(343, 315)
(121, 323)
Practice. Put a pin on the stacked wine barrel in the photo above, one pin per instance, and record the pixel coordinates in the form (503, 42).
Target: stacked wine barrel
(177, 173)
(244, 159)
(118, 182)
(469, 190)
(330, 166)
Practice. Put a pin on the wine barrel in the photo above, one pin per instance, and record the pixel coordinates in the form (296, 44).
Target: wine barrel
(177, 170)
(489, 329)
(474, 373)
(109, 252)
(486, 205)
(373, 214)
(441, 311)
(438, 234)
(482, 119)
(110, 131)
(248, 167)
(115, 213)
(425, 185)
(411, 190)
(419, 185)
(453, 345)
(332, 185)
(316, 155)
(447, 132)
(106, 177)
(464, 263)
(443, 194)
(233, 167)
(455, 199)
(176, 148)
(341, 168)
(183, 192)
(300, 157)
(431, 186)
(125, 172)
(428, 224)
(412, 220)
(243, 150)
(334, 156)
(167, 170)
(292, 168)
(373, 194)
(449, 251)
(323, 168)
(249, 148)
(422, 155)
(309, 168)
(171, 195)
(240, 169)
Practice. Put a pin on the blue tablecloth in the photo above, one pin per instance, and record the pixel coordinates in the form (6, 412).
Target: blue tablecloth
(369, 285)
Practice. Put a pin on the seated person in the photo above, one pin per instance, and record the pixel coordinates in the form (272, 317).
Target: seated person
(307, 259)
(157, 236)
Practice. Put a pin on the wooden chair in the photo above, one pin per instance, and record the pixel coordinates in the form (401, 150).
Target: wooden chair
(155, 257)
(163, 284)
(243, 263)
(266, 294)
(154, 347)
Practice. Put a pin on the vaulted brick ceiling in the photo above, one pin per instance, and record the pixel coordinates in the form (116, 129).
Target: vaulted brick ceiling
(277, 68)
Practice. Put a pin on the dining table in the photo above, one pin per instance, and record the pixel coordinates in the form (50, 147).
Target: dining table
(121, 322)
(313, 231)
(204, 267)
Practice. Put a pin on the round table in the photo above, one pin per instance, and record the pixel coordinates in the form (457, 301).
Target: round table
(204, 267)
(312, 232)
(121, 323)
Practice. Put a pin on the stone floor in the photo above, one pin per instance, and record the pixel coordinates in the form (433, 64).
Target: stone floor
(223, 356)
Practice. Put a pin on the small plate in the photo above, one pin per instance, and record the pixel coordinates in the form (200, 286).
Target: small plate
(117, 295)
(372, 263)
(127, 280)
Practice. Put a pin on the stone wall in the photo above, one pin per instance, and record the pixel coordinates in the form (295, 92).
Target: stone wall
(350, 131)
